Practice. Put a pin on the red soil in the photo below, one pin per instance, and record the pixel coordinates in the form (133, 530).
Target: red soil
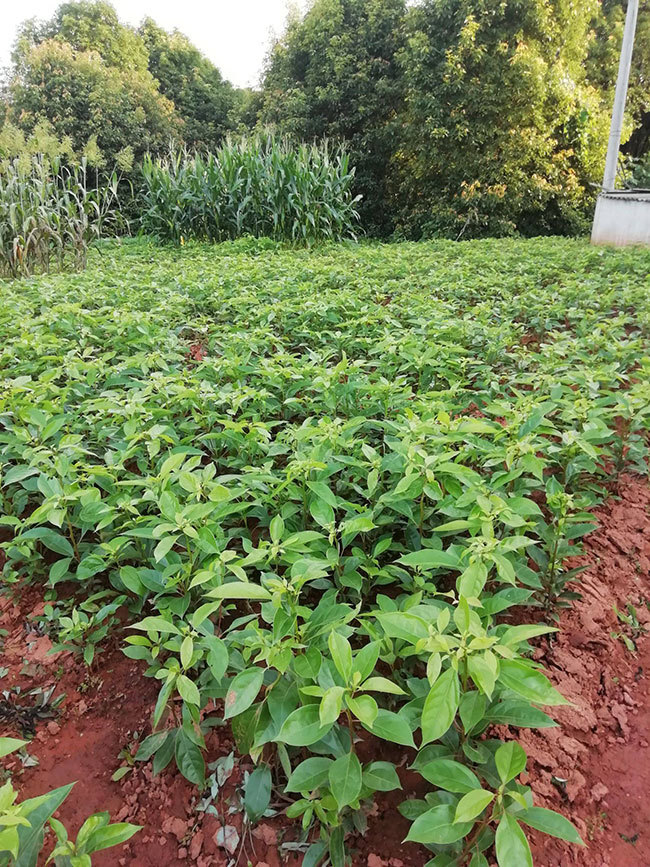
(600, 749)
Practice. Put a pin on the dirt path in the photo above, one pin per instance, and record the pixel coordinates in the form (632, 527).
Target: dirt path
(602, 746)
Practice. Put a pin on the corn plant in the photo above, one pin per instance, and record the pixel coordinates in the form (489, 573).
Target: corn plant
(259, 186)
(49, 214)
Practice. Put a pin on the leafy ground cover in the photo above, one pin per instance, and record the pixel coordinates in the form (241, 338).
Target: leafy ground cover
(333, 498)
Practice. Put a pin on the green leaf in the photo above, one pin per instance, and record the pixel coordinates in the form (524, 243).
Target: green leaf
(187, 650)
(440, 706)
(398, 624)
(111, 835)
(240, 590)
(381, 684)
(315, 854)
(303, 727)
(330, 705)
(381, 777)
(392, 727)
(150, 745)
(188, 690)
(344, 777)
(341, 654)
(472, 805)
(258, 793)
(471, 709)
(243, 691)
(156, 624)
(430, 558)
(164, 547)
(438, 826)
(450, 775)
(550, 822)
(9, 745)
(51, 539)
(322, 512)
(309, 775)
(511, 844)
(38, 810)
(528, 682)
(337, 846)
(364, 708)
(510, 760)
(514, 712)
(189, 759)
(217, 657)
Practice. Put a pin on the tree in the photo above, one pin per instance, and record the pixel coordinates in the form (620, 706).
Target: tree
(84, 99)
(206, 102)
(501, 131)
(86, 25)
(334, 74)
(602, 69)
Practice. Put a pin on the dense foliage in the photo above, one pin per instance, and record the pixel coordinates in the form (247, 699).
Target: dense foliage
(260, 186)
(502, 132)
(207, 105)
(334, 74)
(50, 213)
(318, 482)
(461, 117)
(88, 75)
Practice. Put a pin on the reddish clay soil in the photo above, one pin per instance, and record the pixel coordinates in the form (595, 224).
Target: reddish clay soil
(595, 768)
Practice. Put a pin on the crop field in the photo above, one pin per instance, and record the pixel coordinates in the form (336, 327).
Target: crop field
(301, 530)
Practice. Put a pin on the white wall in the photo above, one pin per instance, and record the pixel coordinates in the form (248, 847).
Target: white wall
(622, 218)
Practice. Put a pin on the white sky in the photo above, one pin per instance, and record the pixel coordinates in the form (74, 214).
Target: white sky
(234, 34)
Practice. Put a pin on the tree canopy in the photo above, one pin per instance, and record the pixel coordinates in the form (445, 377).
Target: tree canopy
(462, 117)
(334, 74)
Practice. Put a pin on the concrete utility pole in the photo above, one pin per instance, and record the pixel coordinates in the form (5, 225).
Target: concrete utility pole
(611, 163)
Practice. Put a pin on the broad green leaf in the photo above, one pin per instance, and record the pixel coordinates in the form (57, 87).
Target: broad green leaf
(38, 810)
(341, 654)
(309, 775)
(551, 823)
(528, 682)
(189, 759)
(243, 691)
(303, 727)
(430, 558)
(8, 745)
(437, 826)
(472, 805)
(364, 708)
(344, 777)
(510, 760)
(330, 705)
(258, 793)
(381, 684)
(240, 590)
(381, 777)
(511, 844)
(392, 727)
(110, 835)
(450, 775)
(188, 690)
(471, 709)
(440, 706)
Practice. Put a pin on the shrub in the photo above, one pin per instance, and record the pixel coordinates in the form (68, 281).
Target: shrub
(260, 186)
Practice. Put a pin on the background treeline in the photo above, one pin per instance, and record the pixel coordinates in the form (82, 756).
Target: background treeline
(462, 117)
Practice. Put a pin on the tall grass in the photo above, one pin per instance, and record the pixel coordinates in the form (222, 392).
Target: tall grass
(260, 185)
(49, 213)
